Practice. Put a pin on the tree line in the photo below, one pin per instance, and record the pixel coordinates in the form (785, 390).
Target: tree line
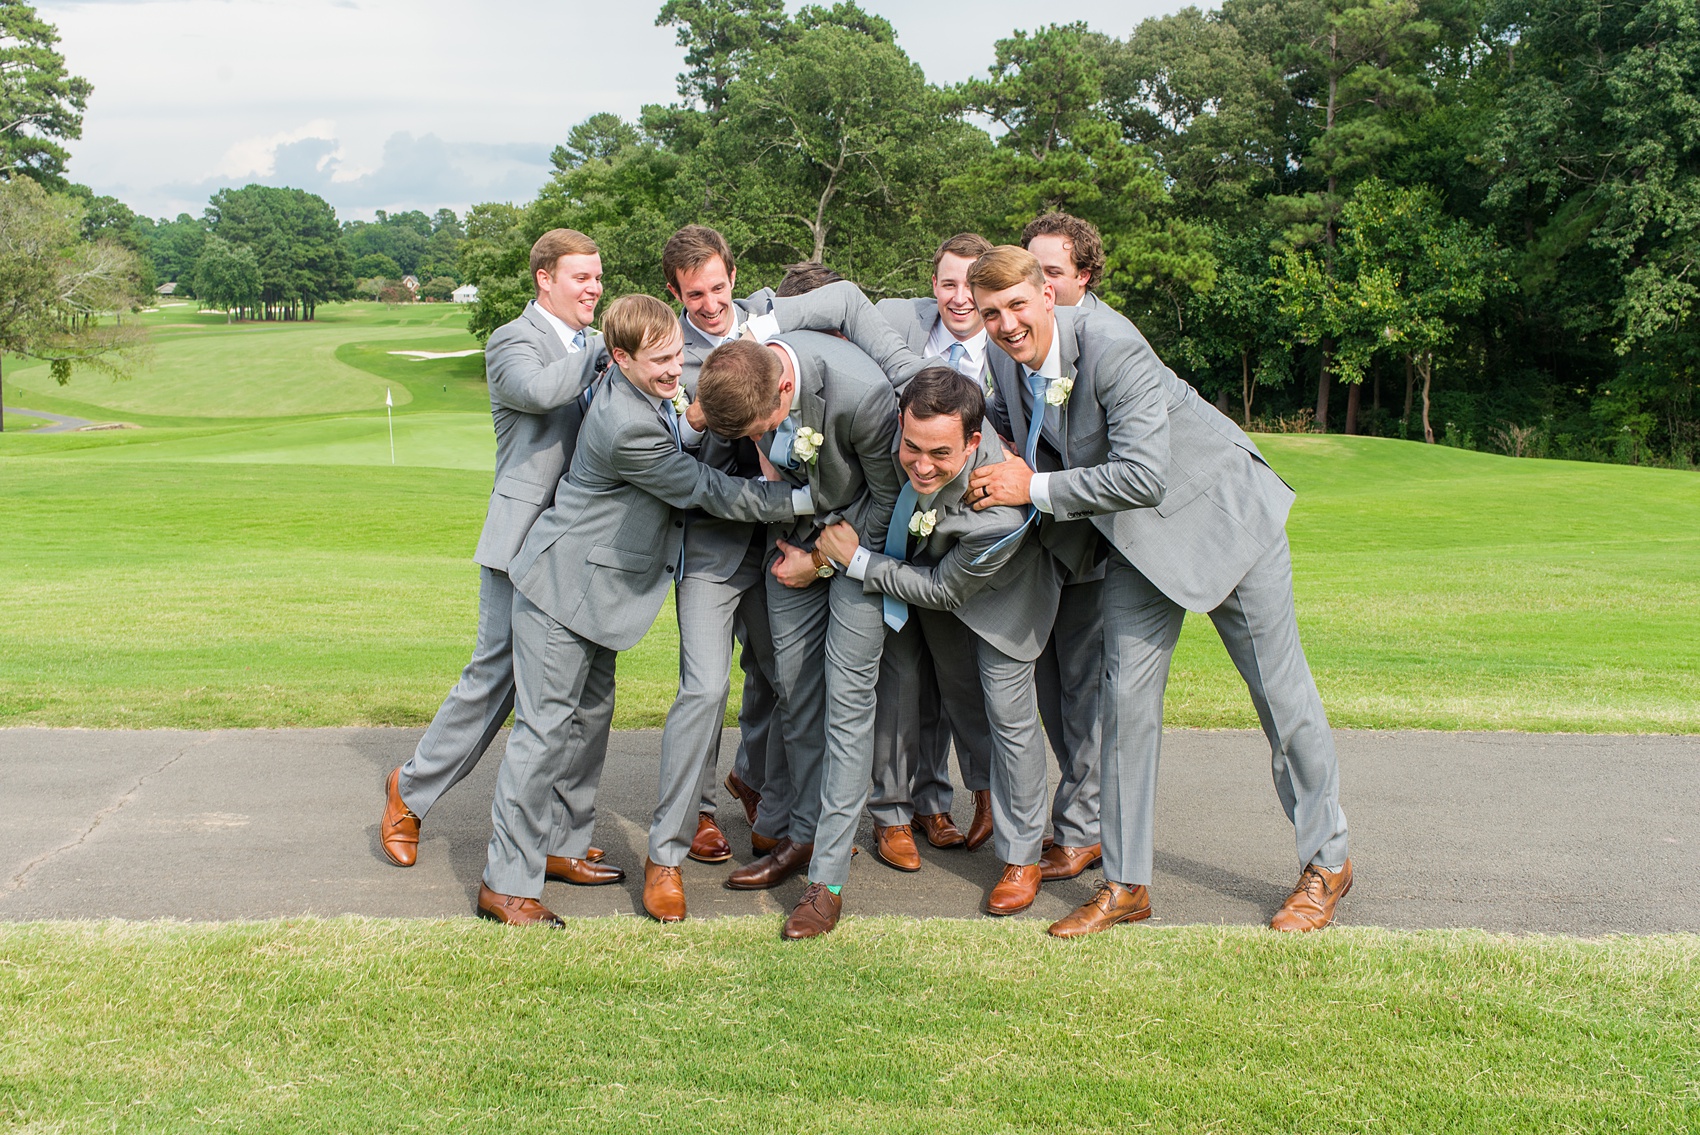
(1470, 221)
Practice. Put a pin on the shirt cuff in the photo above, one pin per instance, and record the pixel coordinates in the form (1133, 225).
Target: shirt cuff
(1039, 489)
(688, 437)
(857, 568)
(762, 327)
(803, 501)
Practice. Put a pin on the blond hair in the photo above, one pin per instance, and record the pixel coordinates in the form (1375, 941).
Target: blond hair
(637, 321)
(556, 243)
(1004, 267)
(969, 246)
(738, 386)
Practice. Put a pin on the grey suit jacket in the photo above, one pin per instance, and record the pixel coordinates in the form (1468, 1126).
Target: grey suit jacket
(535, 383)
(1009, 598)
(843, 395)
(600, 561)
(1174, 485)
(841, 306)
(1091, 302)
(714, 548)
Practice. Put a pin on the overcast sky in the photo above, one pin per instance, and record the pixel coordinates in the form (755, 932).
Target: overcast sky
(402, 104)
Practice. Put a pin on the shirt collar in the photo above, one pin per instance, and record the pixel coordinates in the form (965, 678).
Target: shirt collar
(1052, 366)
(561, 328)
(716, 340)
(973, 347)
(796, 369)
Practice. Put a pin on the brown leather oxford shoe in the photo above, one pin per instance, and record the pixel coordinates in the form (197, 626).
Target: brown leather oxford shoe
(980, 830)
(595, 855)
(746, 795)
(580, 872)
(1063, 862)
(895, 847)
(663, 892)
(761, 845)
(709, 845)
(1311, 905)
(1015, 890)
(398, 831)
(772, 869)
(816, 913)
(1112, 903)
(940, 830)
(513, 910)
(1047, 843)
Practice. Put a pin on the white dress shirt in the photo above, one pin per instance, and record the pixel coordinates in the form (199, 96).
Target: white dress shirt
(563, 329)
(973, 362)
(716, 340)
(1039, 489)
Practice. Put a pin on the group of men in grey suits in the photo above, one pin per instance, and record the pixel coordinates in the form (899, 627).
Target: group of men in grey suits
(914, 538)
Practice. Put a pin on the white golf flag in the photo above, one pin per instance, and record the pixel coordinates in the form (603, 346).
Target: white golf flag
(387, 400)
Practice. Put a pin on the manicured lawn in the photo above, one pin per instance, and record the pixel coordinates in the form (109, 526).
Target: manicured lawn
(20, 423)
(209, 571)
(888, 1025)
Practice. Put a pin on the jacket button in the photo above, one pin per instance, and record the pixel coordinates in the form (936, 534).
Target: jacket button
(678, 524)
(669, 569)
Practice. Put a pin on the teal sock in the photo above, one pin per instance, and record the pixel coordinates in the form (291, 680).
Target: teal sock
(834, 890)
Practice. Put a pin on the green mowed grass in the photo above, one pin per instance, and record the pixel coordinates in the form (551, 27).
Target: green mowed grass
(20, 423)
(888, 1025)
(213, 571)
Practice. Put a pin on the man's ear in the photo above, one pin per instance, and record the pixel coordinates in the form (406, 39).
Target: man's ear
(674, 292)
(621, 359)
(974, 440)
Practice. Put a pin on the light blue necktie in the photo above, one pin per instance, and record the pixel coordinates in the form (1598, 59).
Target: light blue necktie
(784, 440)
(670, 415)
(954, 356)
(1036, 418)
(897, 547)
(578, 339)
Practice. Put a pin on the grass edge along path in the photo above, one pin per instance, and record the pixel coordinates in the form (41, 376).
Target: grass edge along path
(888, 1025)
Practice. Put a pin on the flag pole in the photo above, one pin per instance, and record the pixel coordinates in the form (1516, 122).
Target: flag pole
(390, 414)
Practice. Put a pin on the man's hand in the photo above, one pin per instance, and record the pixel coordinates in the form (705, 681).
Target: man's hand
(794, 567)
(768, 472)
(839, 542)
(695, 418)
(1005, 482)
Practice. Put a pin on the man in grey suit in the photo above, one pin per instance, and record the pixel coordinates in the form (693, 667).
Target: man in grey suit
(826, 417)
(721, 596)
(589, 581)
(538, 366)
(912, 733)
(1196, 521)
(980, 589)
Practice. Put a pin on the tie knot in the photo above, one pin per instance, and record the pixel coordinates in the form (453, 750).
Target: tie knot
(954, 355)
(578, 339)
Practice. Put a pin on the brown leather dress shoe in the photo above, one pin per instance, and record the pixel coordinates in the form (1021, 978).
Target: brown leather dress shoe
(773, 868)
(761, 844)
(940, 830)
(398, 831)
(895, 847)
(746, 795)
(1311, 905)
(663, 893)
(1063, 862)
(595, 855)
(1047, 843)
(512, 910)
(709, 845)
(815, 913)
(580, 872)
(981, 829)
(1015, 890)
(1113, 903)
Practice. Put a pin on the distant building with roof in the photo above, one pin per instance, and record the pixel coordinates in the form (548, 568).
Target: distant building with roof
(466, 293)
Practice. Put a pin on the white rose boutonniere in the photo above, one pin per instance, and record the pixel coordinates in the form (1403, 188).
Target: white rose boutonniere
(807, 445)
(923, 523)
(681, 402)
(1058, 391)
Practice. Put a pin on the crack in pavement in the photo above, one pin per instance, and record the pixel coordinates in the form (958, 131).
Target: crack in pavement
(19, 881)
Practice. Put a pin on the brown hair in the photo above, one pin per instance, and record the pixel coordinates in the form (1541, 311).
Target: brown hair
(637, 321)
(689, 249)
(1085, 246)
(806, 277)
(939, 391)
(556, 243)
(738, 385)
(1004, 267)
(969, 245)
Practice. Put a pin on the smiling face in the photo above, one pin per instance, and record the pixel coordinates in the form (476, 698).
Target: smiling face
(1056, 256)
(1021, 320)
(656, 368)
(933, 450)
(706, 295)
(571, 291)
(956, 302)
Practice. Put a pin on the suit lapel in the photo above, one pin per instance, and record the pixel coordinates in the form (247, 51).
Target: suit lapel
(1069, 356)
(553, 348)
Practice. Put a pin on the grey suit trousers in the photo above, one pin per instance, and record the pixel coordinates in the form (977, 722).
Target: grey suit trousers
(992, 700)
(1258, 626)
(475, 710)
(1070, 679)
(708, 611)
(546, 788)
(912, 735)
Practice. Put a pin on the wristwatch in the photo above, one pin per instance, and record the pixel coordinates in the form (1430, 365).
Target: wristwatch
(823, 566)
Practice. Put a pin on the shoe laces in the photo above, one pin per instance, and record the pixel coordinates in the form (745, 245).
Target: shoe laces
(1311, 884)
(1104, 897)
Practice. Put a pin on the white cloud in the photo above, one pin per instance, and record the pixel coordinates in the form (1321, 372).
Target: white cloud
(257, 156)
